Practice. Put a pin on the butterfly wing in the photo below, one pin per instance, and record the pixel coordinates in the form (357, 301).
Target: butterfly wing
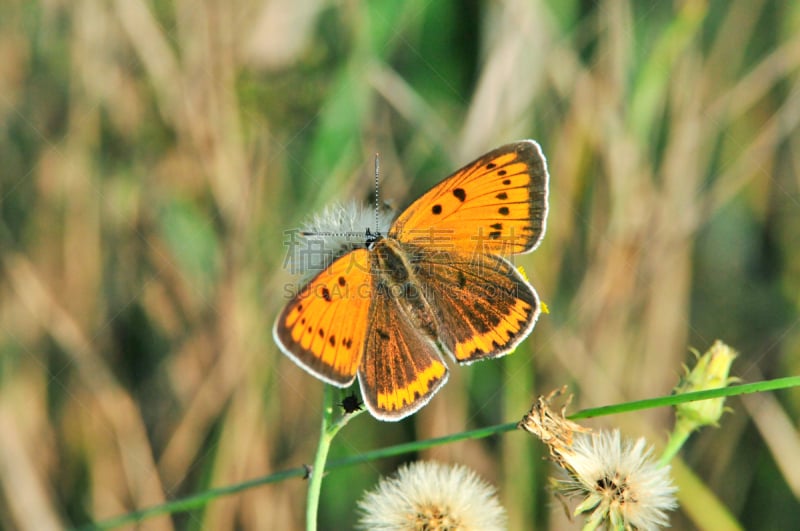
(324, 326)
(483, 305)
(495, 204)
(402, 368)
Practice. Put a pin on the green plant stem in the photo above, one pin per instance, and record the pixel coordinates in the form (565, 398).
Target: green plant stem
(202, 498)
(194, 501)
(318, 469)
(671, 400)
(676, 441)
(328, 431)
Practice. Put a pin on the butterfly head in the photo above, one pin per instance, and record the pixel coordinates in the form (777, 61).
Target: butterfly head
(371, 238)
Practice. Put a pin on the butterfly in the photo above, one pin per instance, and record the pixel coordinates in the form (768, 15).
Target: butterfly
(437, 282)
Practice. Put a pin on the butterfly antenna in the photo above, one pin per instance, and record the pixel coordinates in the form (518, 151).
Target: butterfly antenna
(377, 193)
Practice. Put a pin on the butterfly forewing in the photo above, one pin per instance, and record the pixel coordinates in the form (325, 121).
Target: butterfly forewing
(496, 204)
(323, 327)
(402, 368)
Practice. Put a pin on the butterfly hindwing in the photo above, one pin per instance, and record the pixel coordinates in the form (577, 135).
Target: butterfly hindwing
(324, 326)
(495, 204)
(483, 305)
(401, 368)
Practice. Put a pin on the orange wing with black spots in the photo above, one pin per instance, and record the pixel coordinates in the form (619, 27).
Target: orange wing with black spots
(323, 328)
(495, 204)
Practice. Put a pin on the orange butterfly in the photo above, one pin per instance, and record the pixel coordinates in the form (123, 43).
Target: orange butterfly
(437, 281)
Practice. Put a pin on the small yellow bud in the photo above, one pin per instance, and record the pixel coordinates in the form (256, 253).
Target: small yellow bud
(710, 372)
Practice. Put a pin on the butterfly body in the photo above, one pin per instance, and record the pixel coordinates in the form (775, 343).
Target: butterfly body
(437, 282)
(396, 270)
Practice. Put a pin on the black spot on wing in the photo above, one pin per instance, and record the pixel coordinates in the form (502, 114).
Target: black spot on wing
(460, 194)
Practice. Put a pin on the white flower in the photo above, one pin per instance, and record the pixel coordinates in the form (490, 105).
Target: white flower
(344, 225)
(326, 236)
(621, 486)
(432, 496)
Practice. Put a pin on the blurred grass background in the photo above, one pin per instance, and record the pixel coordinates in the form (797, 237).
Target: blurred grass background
(154, 153)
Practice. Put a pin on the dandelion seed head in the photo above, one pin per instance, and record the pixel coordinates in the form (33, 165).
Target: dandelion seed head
(432, 496)
(618, 480)
(347, 222)
(336, 230)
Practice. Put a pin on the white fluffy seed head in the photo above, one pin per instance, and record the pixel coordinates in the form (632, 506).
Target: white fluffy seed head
(618, 481)
(433, 496)
(344, 225)
(327, 235)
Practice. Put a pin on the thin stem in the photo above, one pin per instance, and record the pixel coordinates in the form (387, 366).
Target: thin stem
(318, 469)
(328, 431)
(202, 498)
(676, 441)
(671, 400)
(191, 502)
